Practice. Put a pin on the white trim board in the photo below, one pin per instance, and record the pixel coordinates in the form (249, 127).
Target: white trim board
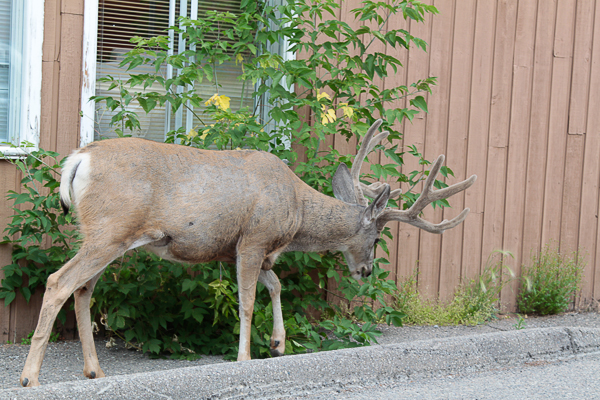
(88, 65)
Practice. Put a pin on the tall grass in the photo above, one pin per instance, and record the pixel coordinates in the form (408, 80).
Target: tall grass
(474, 301)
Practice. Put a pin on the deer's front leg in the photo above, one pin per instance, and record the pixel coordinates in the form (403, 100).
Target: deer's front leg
(248, 269)
(271, 282)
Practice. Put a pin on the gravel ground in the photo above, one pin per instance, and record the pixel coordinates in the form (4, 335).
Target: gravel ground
(64, 362)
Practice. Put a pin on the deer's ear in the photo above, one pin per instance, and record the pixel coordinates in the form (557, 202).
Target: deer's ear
(375, 209)
(343, 188)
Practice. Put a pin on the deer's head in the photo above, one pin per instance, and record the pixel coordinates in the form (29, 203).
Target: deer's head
(360, 249)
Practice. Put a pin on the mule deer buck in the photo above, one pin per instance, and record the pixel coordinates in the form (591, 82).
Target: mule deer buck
(196, 206)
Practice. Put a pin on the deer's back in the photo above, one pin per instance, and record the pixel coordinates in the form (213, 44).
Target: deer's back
(203, 201)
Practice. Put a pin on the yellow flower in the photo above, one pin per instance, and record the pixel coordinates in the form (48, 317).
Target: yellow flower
(239, 58)
(347, 110)
(221, 101)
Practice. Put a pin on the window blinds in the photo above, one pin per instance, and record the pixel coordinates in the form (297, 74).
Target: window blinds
(4, 66)
(118, 22)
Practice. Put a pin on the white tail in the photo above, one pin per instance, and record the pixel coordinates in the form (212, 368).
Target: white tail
(197, 206)
(75, 174)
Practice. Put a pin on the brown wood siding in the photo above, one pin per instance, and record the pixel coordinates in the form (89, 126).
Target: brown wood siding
(59, 131)
(517, 104)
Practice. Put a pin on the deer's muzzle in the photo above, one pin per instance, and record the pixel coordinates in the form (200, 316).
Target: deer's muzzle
(365, 272)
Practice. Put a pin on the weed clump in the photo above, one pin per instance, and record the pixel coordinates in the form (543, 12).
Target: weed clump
(548, 285)
(474, 302)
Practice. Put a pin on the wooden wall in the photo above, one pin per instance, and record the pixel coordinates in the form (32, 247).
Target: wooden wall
(516, 104)
(61, 88)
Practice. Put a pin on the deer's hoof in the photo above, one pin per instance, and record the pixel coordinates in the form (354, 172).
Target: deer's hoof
(275, 350)
(93, 374)
(24, 382)
(276, 353)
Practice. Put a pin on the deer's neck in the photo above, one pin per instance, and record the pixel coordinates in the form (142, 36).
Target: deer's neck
(327, 223)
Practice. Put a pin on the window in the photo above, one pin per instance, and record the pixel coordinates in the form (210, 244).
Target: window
(20, 57)
(119, 21)
(5, 25)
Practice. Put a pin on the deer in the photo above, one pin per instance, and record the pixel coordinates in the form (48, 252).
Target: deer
(194, 206)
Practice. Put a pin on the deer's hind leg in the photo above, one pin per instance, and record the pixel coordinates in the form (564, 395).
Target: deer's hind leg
(83, 295)
(89, 262)
(271, 282)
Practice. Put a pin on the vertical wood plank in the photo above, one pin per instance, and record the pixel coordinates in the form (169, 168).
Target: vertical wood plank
(394, 80)
(8, 177)
(52, 20)
(577, 122)
(49, 115)
(69, 90)
(479, 120)
(571, 196)
(493, 222)
(456, 144)
(396, 247)
(588, 217)
(72, 7)
(582, 54)
(539, 124)
(518, 139)
(557, 132)
(398, 255)
(414, 134)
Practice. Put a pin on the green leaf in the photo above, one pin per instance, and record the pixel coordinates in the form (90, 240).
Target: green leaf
(198, 315)
(10, 296)
(394, 156)
(22, 198)
(419, 102)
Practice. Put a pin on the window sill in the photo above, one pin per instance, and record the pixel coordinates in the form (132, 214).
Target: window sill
(15, 152)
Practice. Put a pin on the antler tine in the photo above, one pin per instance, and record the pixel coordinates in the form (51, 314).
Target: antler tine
(376, 140)
(411, 216)
(365, 148)
(426, 225)
(374, 189)
(423, 199)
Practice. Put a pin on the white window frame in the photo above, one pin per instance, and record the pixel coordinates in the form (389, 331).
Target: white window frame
(28, 125)
(88, 89)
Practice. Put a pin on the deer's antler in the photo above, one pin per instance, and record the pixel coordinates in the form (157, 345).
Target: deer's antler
(374, 189)
(368, 144)
(411, 216)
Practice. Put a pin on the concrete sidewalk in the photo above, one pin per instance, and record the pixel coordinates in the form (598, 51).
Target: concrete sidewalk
(312, 373)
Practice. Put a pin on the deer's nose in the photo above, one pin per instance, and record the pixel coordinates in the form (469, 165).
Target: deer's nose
(365, 272)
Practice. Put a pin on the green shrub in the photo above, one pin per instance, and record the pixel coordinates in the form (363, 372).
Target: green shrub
(473, 302)
(186, 310)
(40, 218)
(549, 284)
(189, 310)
